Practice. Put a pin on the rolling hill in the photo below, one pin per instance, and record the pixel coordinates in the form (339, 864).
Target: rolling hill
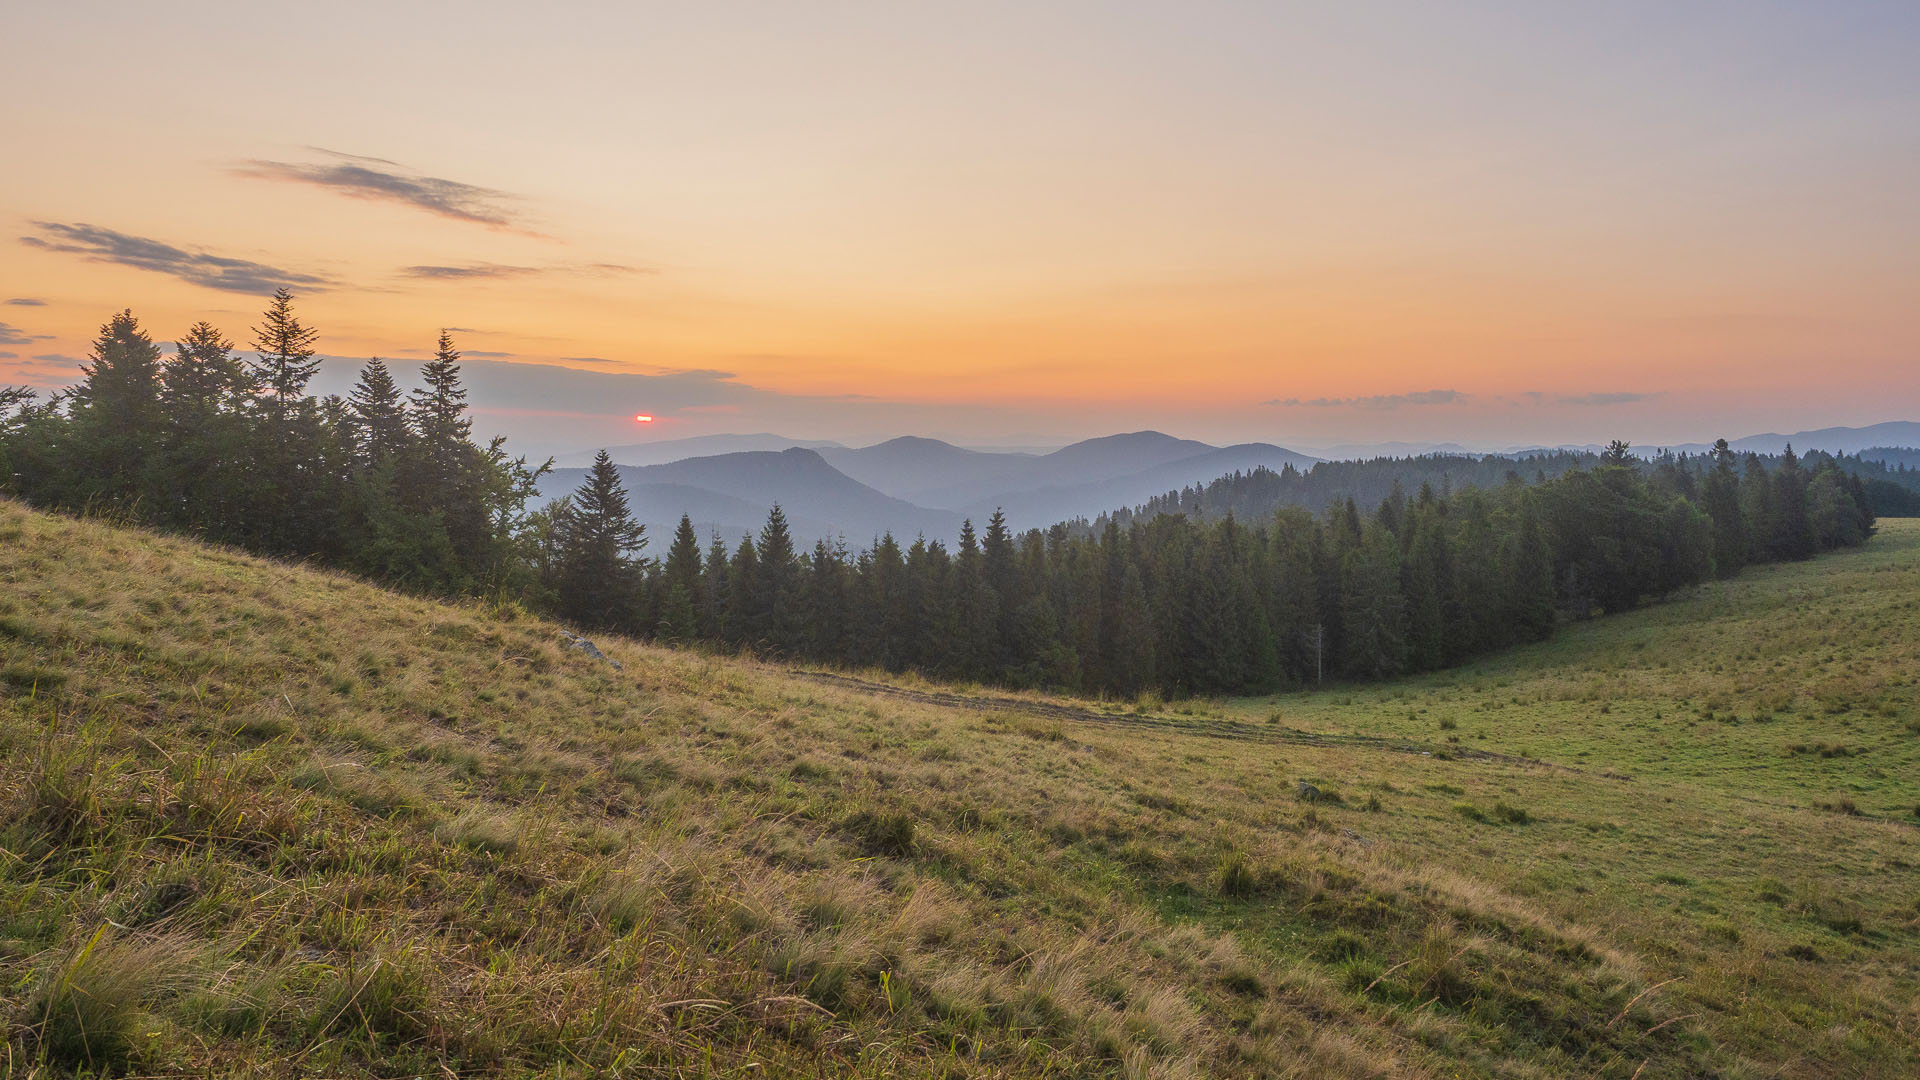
(668, 450)
(263, 820)
(1038, 507)
(732, 493)
(917, 469)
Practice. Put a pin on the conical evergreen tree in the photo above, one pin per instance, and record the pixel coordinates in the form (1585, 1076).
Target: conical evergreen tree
(203, 377)
(379, 414)
(116, 414)
(440, 407)
(777, 605)
(287, 361)
(1722, 498)
(599, 576)
(205, 391)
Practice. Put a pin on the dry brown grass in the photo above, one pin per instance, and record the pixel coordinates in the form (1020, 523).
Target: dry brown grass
(409, 837)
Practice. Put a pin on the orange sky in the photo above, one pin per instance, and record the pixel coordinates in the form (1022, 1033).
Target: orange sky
(983, 221)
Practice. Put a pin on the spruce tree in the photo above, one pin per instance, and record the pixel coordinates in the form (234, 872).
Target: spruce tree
(1793, 536)
(379, 414)
(203, 377)
(776, 587)
(205, 390)
(116, 414)
(682, 566)
(445, 473)
(746, 622)
(1375, 619)
(440, 407)
(1722, 499)
(599, 576)
(287, 361)
(717, 591)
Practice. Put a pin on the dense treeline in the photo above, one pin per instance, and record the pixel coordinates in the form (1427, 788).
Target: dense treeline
(1328, 484)
(383, 483)
(1211, 598)
(1184, 605)
(1891, 490)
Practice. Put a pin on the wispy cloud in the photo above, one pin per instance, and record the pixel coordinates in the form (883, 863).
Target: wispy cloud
(485, 355)
(1373, 401)
(13, 335)
(381, 180)
(587, 360)
(56, 358)
(27, 301)
(462, 273)
(212, 271)
(486, 271)
(1619, 398)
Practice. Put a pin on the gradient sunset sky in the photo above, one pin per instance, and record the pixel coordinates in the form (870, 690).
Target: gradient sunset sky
(1027, 222)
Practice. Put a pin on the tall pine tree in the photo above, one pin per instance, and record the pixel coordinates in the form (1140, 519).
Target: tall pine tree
(599, 574)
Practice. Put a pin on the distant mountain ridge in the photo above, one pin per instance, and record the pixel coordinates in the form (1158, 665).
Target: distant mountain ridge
(909, 486)
(732, 493)
(913, 485)
(667, 450)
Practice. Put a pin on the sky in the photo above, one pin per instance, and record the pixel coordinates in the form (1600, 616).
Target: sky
(1489, 223)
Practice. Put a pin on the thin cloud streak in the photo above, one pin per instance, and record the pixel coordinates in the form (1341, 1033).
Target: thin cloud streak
(358, 178)
(13, 335)
(464, 273)
(26, 301)
(484, 271)
(96, 244)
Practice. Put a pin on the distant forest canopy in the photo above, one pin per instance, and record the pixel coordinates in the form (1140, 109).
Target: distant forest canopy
(1243, 590)
(1891, 479)
(1902, 460)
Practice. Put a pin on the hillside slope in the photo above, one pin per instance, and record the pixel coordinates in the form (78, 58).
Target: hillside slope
(267, 821)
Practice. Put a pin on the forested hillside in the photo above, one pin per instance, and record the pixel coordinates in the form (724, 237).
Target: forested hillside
(1185, 606)
(1244, 591)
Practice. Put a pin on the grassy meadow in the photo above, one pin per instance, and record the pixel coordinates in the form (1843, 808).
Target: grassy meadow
(257, 820)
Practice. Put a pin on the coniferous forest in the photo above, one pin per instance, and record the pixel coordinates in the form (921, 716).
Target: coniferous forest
(1238, 587)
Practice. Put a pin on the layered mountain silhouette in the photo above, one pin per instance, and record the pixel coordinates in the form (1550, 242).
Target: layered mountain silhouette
(666, 450)
(908, 486)
(731, 494)
(913, 486)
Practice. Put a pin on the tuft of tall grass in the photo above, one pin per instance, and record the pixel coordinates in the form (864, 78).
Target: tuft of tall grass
(86, 1009)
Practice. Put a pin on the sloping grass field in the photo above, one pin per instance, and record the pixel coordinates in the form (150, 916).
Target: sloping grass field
(257, 820)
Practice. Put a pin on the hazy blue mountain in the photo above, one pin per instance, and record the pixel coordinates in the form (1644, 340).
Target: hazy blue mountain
(1088, 462)
(733, 492)
(913, 485)
(911, 467)
(1836, 440)
(1042, 506)
(667, 450)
